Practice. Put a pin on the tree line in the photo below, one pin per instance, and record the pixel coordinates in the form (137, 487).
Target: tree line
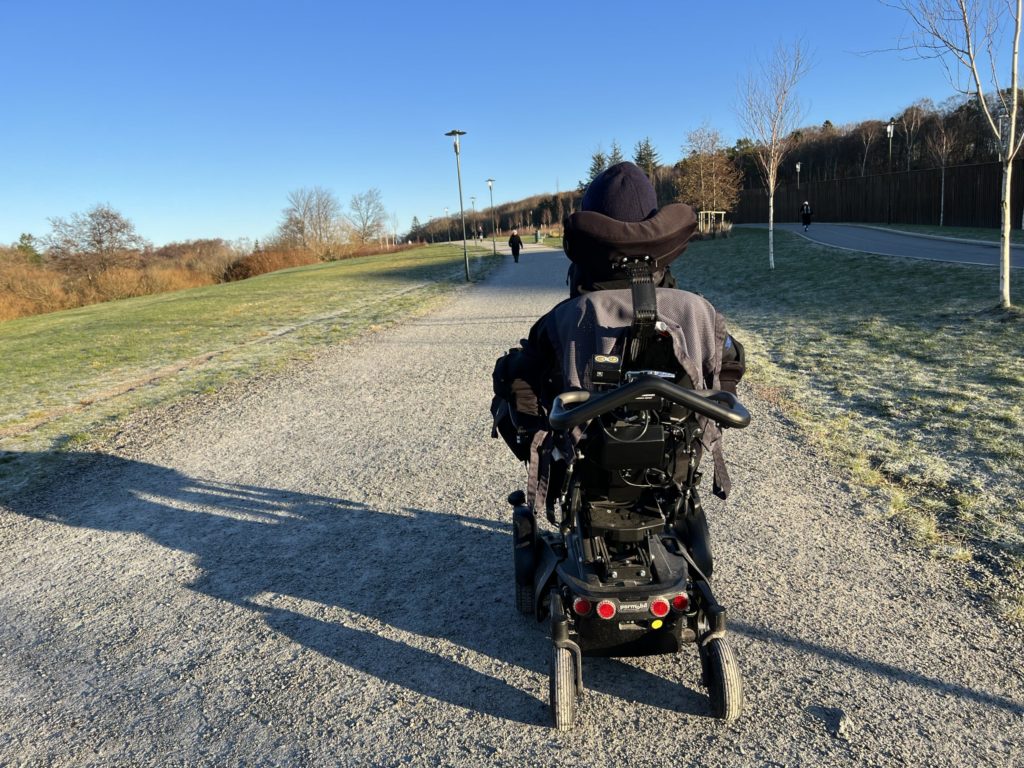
(98, 255)
(709, 175)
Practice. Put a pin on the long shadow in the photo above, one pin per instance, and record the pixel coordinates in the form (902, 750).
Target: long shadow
(415, 575)
(409, 584)
(878, 668)
(406, 591)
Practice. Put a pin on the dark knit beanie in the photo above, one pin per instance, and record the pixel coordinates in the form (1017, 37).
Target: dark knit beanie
(621, 192)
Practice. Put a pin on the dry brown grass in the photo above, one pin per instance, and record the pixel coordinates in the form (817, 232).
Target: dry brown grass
(170, 278)
(262, 262)
(30, 289)
(29, 285)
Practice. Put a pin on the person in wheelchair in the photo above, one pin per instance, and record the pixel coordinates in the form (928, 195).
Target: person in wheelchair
(624, 316)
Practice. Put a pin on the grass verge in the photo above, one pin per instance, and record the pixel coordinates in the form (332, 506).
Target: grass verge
(903, 372)
(66, 374)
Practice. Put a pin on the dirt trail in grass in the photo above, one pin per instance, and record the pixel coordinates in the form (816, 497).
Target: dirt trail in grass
(315, 570)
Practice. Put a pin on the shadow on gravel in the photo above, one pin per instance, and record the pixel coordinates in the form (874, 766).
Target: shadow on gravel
(632, 684)
(878, 668)
(338, 577)
(400, 595)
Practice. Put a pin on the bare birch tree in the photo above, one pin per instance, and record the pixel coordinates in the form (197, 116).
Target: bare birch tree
(911, 122)
(867, 132)
(966, 36)
(942, 143)
(769, 112)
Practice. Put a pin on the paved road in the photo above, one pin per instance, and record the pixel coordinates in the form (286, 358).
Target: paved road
(888, 243)
(315, 570)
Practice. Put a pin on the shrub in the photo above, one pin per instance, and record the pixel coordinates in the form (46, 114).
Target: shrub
(262, 262)
(210, 257)
(114, 283)
(171, 278)
(30, 289)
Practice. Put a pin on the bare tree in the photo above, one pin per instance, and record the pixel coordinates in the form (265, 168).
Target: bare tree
(86, 244)
(396, 223)
(708, 180)
(911, 121)
(367, 215)
(867, 132)
(311, 220)
(965, 35)
(769, 113)
(942, 142)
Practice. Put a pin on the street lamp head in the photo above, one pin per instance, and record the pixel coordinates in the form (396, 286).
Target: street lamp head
(490, 183)
(890, 127)
(798, 167)
(456, 133)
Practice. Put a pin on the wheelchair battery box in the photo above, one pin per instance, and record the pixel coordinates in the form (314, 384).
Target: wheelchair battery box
(630, 446)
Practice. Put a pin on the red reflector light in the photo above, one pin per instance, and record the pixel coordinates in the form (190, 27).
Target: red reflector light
(681, 602)
(660, 607)
(581, 606)
(606, 609)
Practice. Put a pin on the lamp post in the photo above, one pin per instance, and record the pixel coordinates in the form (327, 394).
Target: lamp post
(490, 188)
(462, 211)
(798, 177)
(888, 132)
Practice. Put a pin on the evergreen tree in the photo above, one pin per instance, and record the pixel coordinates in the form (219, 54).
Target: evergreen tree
(615, 156)
(646, 157)
(27, 246)
(598, 162)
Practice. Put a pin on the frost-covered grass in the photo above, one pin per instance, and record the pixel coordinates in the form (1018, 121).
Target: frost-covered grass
(904, 371)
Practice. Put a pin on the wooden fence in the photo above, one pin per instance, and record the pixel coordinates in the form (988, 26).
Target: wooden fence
(972, 195)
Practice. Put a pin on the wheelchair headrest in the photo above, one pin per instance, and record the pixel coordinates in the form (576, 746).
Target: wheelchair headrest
(599, 245)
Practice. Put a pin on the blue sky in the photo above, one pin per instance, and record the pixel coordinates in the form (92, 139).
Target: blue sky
(196, 119)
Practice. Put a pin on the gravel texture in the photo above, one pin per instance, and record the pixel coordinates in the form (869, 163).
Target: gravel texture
(315, 569)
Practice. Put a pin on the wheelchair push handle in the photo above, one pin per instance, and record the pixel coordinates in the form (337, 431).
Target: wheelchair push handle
(571, 409)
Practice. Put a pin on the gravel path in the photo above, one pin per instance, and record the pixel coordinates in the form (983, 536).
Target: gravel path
(315, 570)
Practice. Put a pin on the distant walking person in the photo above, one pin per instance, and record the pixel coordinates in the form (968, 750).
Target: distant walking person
(516, 244)
(805, 215)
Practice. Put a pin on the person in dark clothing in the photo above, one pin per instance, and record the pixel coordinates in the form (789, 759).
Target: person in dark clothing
(805, 214)
(516, 244)
(619, 221)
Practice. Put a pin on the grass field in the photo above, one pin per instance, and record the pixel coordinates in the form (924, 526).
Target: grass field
(64, 374)
(903, 371)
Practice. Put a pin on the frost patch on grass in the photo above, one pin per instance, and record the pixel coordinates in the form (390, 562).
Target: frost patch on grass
(901, 371)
